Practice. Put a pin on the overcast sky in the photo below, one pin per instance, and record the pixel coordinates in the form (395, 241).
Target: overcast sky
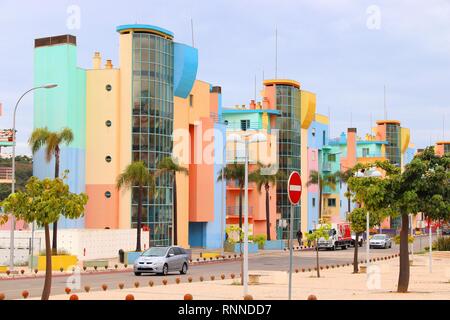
(345, 51)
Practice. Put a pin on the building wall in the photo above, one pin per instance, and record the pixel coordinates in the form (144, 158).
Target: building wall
(102, 106)
(63, 106)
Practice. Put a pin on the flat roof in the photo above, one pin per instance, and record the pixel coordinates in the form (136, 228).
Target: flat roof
(287, 82)
(388, 122)
(443, 142)
(145, 27)
(269, 111)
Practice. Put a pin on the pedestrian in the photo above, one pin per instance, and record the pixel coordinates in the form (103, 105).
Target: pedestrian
(299, 237)
(309, 241)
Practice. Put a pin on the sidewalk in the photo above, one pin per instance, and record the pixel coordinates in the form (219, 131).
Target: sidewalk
(335, 284)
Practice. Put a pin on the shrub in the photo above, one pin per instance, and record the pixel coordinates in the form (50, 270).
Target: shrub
(129, 297)
(442, 244)
(136, 284)
(188, 296)
(397, 239)
(260, 240)
(87, 288)
(73, 297)
(25, 294)
(121, 285)
(68, 290)
(104, 287)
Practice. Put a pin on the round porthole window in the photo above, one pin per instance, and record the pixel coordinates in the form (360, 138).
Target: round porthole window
(108, 87)
(108, 159)
(108, 123)
(108, 194)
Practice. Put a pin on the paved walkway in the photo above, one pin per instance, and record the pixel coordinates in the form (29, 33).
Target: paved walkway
(336, 283)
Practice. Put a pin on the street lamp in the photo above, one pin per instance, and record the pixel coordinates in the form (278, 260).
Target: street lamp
(371, 173)
(248, 138)
(13, 184)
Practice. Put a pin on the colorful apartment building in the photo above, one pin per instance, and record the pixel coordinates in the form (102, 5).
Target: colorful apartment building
(149, 107)
(442, 147)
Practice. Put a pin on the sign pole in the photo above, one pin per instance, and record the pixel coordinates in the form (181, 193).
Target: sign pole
(294, 188)
(291, 249)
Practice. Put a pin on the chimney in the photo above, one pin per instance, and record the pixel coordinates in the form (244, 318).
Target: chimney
(351, 146)
(252, 105)
(108, 64)
(97, 60)
(266, 103)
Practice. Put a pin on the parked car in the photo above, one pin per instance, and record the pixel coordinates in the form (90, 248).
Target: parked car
(162, 260)
(380, 241)
(360, 240)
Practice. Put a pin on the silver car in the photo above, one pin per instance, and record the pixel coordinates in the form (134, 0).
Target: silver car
(380, 241)
(162, 260)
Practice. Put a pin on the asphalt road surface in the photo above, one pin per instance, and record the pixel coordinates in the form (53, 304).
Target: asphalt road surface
(273, 261)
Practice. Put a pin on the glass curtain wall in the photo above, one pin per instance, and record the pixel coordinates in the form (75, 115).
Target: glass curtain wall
(152, 126)
(288, 102)
(393, 148)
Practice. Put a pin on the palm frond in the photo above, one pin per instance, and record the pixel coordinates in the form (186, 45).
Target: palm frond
(38, 139)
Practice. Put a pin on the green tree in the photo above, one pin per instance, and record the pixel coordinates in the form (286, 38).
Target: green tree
(167, 165)
(262, 179)
(41, 137)
(322, 181)
(358, 222)
(137, 174)
(422, 187)
(322, 232)
(43, 202)
(24, 171)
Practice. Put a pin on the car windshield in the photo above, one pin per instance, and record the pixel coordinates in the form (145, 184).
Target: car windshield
(379, 237)
(155, 252)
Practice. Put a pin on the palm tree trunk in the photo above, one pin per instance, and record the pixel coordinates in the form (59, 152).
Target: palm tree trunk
(48, 265)
(403, 278)
(175, 216)
(317, 258)
(55, 224)
(355, 256)
(139, 219)
(267, 212)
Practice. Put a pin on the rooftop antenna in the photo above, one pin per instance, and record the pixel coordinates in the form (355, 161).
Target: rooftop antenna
(385, 109)
(329, 122)
(443, 127)
(192, 32)
(370, 124)
(276, 52)
(351, 118)
(255, 87)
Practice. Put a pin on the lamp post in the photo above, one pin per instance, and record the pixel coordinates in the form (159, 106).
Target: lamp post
(224, 186)
(13, 184)
(248, 138)
(372, 173)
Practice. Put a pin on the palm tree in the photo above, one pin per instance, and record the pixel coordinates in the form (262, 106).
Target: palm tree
(168, 165)
(235, 172)
(322, 180)
(52, 140)
(265, 180)
(137, 174)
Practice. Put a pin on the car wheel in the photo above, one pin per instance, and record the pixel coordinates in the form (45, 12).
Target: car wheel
(184, 269)
(165, 270)
(137, 274)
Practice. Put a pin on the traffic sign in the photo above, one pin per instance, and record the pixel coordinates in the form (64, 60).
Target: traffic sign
(294, 188)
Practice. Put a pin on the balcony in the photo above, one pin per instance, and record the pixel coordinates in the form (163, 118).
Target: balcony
(6, 175)
(233, 211)
(326, 166)
(239, 126)
(369, 155)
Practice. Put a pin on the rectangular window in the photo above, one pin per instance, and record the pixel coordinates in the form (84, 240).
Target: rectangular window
(191, 100)
(245, 124)
(332, 202)
(324, 140)
(313, 156)
(332, 157)
(314, 202)
(365, 152)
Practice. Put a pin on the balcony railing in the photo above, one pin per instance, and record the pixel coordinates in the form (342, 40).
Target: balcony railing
(237, 125)
(369, 155)
(326, 166)
(234, 210)
(6, 173)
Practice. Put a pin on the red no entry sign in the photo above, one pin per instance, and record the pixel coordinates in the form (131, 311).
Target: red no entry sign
(294, 188)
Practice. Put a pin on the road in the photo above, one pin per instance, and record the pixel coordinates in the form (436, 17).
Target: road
(273, 261)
